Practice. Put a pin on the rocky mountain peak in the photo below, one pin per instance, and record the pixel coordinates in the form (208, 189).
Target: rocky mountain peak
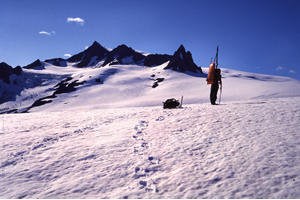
(83, 58)
(7, 70)
(123, 54)
(181, 49)
(57, 62)
(4, 65)
(182, 61)
(37, 64)
(96, 47)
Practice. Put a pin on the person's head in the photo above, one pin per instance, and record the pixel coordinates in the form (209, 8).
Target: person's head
(212, 65)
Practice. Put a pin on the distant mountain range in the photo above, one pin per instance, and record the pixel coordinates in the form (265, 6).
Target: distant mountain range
(98, 55)
(18, 81)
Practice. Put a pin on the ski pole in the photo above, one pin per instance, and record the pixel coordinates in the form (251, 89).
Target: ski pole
(220, 94)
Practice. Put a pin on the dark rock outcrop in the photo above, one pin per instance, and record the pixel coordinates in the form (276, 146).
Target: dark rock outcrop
(182, 61)
(95, 51)
(41, 101)
(35, 65)
(76, 57)
(17, 70)
(124, 55)
(158, 80)
(57, 62)
(66, 86)
(6, 70)
(156, 59)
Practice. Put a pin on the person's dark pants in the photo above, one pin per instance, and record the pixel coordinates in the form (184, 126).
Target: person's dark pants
(213, 93)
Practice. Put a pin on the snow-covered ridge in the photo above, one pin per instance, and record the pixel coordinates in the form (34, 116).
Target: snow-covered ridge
(135, 86)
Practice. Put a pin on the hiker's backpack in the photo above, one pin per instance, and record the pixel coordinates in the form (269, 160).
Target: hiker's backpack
(211, 74)
(171, 103)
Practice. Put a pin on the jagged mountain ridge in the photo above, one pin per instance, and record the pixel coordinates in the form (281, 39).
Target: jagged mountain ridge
(37, 64)
(95, 51)
(22, 85)
(6, 71)
(57, 62)
(180, 61)
(123, 54)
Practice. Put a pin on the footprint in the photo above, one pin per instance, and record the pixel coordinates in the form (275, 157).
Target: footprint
(138, 173)
(151, 169)
(135, 137)
(150, 158)
(143, 184)
(152, 188)
(145, 145)
(160, 118)
(151, 165)
(140, 126)
(153, 160)
(137, 169)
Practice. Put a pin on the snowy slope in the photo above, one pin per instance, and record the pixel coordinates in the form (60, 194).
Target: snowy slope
(131, 85)
(119, 86)
(245, 149)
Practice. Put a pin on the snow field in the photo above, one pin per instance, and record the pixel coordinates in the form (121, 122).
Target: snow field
(123, 86)
(243, 149)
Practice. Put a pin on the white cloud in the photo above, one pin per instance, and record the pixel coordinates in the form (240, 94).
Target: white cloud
(285, 69)
(47, 33)
(67, 55)
(76, 20)
(279, 68)
(292, 71)
(44, 33)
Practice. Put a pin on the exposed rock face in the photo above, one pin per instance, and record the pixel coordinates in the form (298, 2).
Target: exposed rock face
(57, 62)
(76, 57)
(66, 86)
(6, 70)
(17, 70)
(156, 59)
(124, 55)
(35, 65)
(95, 52)
(182, 61)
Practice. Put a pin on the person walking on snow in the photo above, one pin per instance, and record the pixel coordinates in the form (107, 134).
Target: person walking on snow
(215, 84)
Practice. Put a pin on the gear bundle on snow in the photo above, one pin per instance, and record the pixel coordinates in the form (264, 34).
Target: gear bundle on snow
(171, 103)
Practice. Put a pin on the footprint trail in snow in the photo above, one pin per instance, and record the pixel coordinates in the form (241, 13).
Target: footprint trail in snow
(150, 164)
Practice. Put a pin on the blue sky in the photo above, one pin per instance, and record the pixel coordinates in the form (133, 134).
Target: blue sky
(254, 35)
